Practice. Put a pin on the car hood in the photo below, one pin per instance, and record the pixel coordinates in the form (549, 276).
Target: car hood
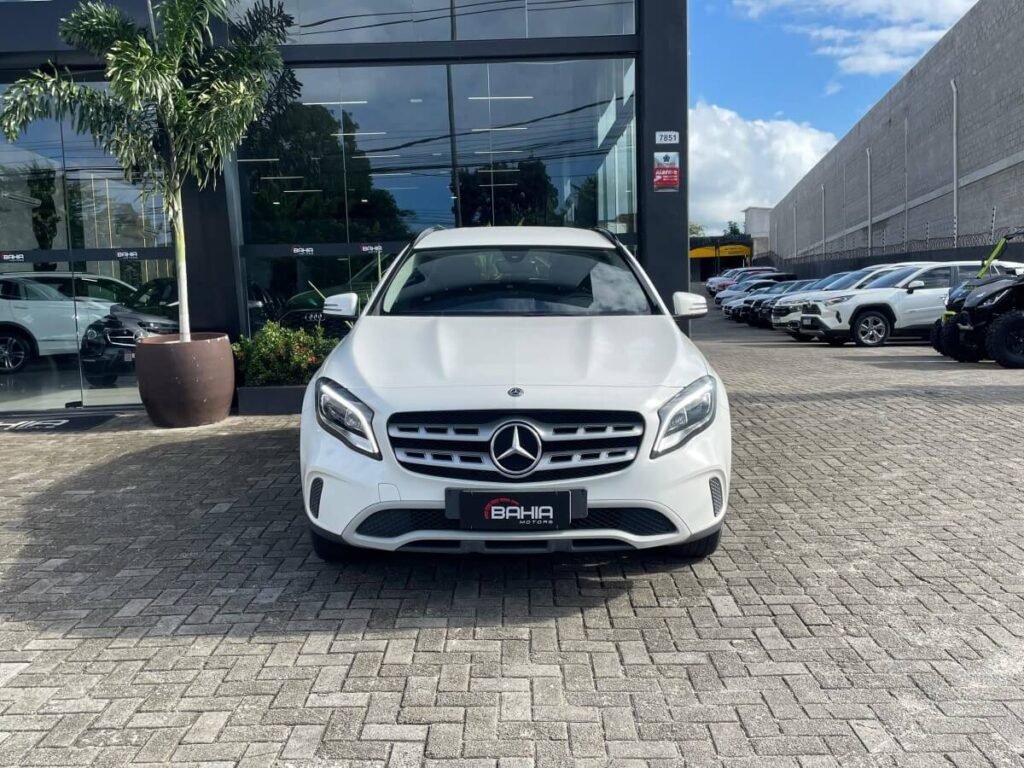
(128, 315)
(985, 290)
(391, 353)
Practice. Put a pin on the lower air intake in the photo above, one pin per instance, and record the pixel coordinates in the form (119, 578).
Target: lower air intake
(316, 490)
(717, 496)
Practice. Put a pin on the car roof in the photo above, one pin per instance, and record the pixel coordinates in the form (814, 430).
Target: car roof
(472, 237)
(58, 274)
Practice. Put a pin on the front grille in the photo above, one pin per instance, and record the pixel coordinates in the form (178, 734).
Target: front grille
(574, 444)
(812, 309)
(639, 521)
(121, 337)
(717, 496)
(780, 311)
(316, 490)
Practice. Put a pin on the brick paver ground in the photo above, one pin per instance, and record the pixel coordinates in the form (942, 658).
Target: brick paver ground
(159, 603)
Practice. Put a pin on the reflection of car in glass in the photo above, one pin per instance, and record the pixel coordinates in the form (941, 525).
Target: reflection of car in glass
(108, 346)
(37, 320)
(516, 389)
(99, 288)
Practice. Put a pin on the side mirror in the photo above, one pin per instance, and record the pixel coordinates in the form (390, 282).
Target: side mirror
(689, 305)
(915, 285)
(343, 305)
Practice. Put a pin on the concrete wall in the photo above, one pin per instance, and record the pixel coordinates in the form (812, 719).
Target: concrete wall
(910, 135)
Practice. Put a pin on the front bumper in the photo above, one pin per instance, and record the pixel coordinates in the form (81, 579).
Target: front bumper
(679, 487)
(823, 326)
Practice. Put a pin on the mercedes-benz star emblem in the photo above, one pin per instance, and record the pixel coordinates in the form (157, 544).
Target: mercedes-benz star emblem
(516, 449)
(516, 392)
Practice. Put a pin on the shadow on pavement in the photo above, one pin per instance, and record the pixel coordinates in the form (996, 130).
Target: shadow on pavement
(208, 536)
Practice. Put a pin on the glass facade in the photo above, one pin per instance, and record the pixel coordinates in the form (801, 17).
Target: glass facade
(363, 159)
(403, 21)
(75, 238)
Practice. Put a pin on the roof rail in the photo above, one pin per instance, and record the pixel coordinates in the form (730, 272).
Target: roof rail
(428, 231)
(608, 234)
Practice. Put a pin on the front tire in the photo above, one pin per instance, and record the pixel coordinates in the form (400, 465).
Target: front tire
(331, 551)
(935, 337)
(15, 351)
(696, 550)
(871, 329)
(1006, 340)
(954, 347)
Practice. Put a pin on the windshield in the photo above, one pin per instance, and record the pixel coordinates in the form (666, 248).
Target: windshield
(154, 294)
(892, 279)
(747, 276)
(828, 282)
(520, 281)
(780, 288)
(801, 285)
(850, 280)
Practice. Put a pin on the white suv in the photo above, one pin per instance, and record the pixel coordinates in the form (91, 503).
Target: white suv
(787, 311)
(904, 302)
(515, 390)
(46, 313)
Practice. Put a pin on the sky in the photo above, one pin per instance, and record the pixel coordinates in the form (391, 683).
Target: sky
(774, 84)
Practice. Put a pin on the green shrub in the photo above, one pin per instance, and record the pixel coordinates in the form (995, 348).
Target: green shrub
(278, 356)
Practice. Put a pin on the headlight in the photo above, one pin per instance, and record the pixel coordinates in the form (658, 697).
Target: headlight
(346, 417)
(995, 298)
(837, 300)
(686, 415)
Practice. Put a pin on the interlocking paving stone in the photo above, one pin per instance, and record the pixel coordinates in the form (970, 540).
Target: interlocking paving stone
(160, 605)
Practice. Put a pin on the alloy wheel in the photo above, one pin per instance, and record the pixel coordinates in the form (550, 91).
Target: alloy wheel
(13, 353)
(871, 330)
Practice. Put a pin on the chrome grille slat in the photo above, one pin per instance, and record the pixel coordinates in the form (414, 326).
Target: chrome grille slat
(477, 432)
(456, 444)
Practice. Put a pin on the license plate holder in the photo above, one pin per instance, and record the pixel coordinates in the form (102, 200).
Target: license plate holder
(512, 510)
(129, 357)
(807, 322)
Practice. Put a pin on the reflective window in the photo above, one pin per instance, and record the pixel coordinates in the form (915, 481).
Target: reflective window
(62, 338)
(373, 21)
(546, 143)
(363, 155)
(366, 158)
(941, 277)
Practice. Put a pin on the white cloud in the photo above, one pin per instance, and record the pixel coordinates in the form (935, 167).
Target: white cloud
(867, 37)
(736, 163)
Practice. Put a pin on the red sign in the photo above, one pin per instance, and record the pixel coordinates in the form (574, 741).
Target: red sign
(667, 175)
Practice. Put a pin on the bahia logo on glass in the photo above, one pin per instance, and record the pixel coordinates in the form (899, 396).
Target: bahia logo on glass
(504, 508)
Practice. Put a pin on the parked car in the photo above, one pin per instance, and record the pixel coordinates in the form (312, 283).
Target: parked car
(760, 314)
(81, 285)
(743, 277)
(905, 302)
(108, 345)
(734, 297)
(515, 390)
(713, 285)
(37, 320)
(789, 310)
(754, 281)
(752, 303)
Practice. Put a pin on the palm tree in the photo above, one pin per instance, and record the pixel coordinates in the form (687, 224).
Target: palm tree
(174, 106)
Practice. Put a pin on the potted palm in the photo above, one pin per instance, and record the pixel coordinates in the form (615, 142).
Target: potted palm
(174, 107)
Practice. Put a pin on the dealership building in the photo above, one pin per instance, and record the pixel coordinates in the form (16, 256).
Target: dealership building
(396, 116)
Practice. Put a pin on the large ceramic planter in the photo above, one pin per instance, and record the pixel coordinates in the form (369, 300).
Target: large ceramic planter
(185, 384)
(270, 401)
